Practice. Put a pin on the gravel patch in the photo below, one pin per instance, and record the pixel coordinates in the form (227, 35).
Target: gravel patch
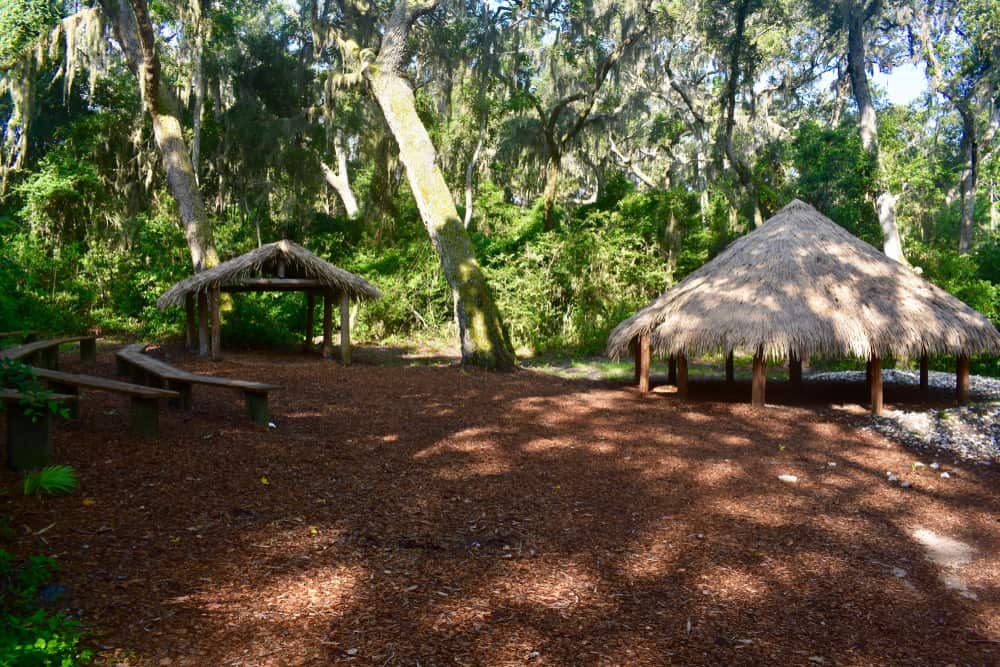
(970, 433)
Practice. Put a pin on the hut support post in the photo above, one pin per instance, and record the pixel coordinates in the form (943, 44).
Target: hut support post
(924, 374)
(759, 379)
(310, 324)
(190, 333)
(216, 301)
(642, 362)
(202, 324)
(962, 379)
(682, 375)
(327, 324)
(672, 370)
(794, 369)
(730, 368)
(345, 329)
(875, 384)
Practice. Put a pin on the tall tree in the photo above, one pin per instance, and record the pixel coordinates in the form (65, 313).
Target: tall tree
(961, 46)
(484, 340)
(857, 19)
(134, 32)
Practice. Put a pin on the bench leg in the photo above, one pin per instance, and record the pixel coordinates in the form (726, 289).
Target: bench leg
(145, 417)
(182, 388)
(121, 367)
(50, 358)
(256, 407)
(73, 390)
(88, 350)
(29, 443)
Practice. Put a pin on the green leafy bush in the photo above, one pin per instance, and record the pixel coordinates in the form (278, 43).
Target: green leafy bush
(30, 634)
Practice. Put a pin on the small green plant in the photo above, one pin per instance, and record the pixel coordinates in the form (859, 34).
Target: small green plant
(29, 633)
(36, 398)
(58, 480)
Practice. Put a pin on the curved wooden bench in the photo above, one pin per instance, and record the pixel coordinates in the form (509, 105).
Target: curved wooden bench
(46, 352)
(145, 369)
(145, 412)
(29, 436)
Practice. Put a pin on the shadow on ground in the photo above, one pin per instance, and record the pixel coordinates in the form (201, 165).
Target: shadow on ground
(436, 515)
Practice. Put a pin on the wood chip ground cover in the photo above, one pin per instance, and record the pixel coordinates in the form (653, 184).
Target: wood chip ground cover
(433, 515)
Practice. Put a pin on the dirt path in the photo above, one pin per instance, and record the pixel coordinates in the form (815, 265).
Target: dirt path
(403, 515)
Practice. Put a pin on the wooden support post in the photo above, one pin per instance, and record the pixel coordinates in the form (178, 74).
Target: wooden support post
(310, 321)
(642, 362)
(759, 382)
(682, 376)
(794, 369)
(29, 438)
(182, 402)
(672, 370)
(868, 377)
(202, 324)
(256, 407)
(50, 358)
(924, 373)
(121, 366)
(88, 350)
(633, 347)
(730, 368)
(216, 301)
(145, 417)
(345, 329)
(190, 332)
(875, 366)
(327, 324)
(962, 379)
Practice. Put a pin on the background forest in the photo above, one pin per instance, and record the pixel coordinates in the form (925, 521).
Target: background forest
(596, 151)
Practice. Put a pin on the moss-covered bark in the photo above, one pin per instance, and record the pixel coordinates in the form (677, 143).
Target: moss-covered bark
(484, 340)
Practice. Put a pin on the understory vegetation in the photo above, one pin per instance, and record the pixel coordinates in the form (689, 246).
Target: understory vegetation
(654, 166)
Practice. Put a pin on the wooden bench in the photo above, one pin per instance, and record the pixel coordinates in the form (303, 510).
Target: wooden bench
(144, 369)
(29, 436)
(45, 353)
(27, 336)
(145, 417)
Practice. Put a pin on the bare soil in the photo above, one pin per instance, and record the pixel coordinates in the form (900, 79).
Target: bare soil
(432, 515)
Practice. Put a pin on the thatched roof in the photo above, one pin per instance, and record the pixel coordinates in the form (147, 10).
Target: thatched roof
(299, 263)
(801, 282)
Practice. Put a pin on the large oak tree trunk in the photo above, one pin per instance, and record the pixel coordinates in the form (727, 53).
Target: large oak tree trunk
(483, 337)
(135, 35)
(868, 127)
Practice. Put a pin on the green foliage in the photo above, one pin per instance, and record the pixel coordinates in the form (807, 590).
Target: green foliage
(37, 399)
(836, 175)
(30, 634)
(59, 480)
(22, 21)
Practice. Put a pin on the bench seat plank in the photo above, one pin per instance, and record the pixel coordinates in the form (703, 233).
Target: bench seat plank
(132, 359)
(94, 382)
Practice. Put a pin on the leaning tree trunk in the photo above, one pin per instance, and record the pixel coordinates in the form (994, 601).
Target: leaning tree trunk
(868, 128)
(484, 339)
(135, 35)
(340, 180)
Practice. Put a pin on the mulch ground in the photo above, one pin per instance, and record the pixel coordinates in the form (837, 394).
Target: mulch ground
(432, 515)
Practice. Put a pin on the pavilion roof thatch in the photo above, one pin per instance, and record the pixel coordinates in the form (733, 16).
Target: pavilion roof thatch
(802, 283)
(298, 263)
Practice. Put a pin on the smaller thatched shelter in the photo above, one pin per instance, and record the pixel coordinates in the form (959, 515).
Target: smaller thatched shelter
(283, 266)
(802, 285)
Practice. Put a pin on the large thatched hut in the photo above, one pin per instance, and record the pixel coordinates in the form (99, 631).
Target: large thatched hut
(283, 266)
(802, 285)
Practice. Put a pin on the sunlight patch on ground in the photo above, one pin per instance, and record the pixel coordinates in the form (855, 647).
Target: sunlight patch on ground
(949, 555)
